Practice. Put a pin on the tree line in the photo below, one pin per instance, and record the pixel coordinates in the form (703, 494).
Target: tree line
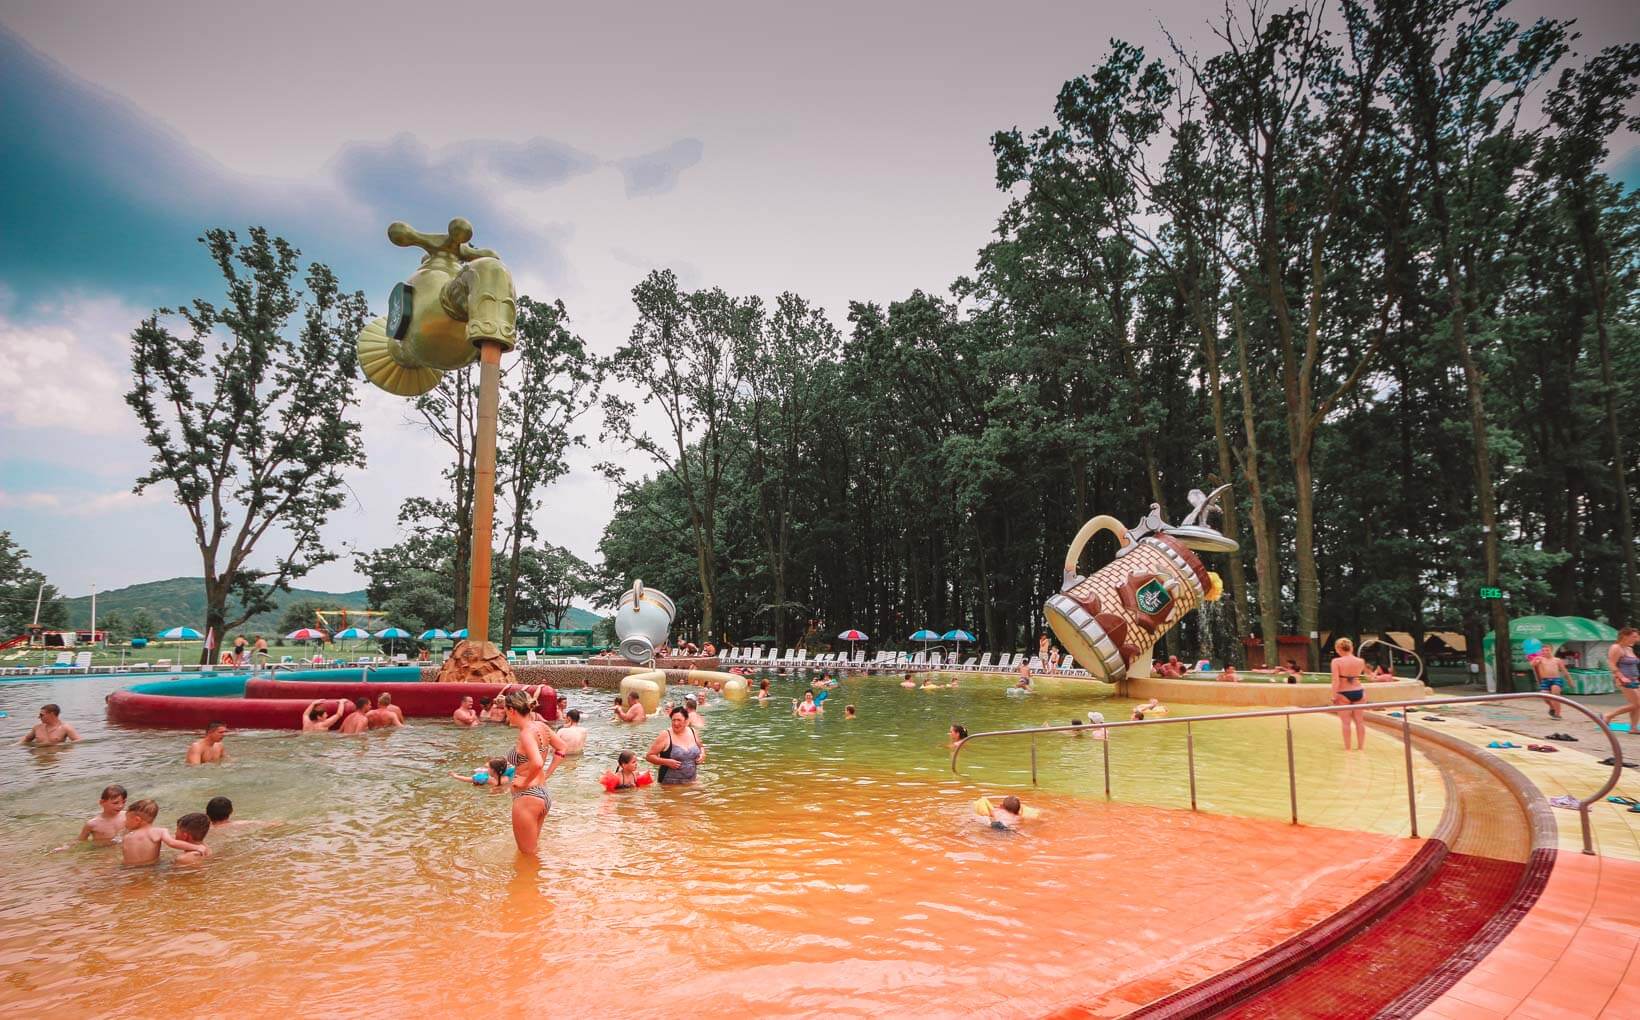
(1360, 262)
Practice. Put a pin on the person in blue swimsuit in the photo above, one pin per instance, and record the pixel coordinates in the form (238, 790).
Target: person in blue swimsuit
(1625, 667)
(677, 752)
(1551, 676)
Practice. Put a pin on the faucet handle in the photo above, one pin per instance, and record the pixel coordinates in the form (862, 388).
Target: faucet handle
(453, 242)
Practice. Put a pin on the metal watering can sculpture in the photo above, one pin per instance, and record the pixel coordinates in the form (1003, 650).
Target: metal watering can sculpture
(1110, 620)
(643, 618)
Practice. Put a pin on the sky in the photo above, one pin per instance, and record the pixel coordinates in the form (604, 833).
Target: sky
(840, 151)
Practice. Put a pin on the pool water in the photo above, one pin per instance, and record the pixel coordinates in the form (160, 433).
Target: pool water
(822, 865)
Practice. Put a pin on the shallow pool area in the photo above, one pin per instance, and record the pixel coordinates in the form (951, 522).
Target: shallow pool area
(821, 865)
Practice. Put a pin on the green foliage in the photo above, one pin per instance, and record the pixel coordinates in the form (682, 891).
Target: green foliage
(153, 606)
(1359, 189)
(247, 416)
(20, 589)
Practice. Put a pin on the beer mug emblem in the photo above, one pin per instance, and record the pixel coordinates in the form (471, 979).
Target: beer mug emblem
(1152, 598)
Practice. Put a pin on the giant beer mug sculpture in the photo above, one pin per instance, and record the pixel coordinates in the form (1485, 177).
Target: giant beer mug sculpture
(459, 296)
(1110, 620)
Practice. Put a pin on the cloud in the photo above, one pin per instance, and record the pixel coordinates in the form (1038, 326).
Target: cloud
(657, 172)
(62, 368)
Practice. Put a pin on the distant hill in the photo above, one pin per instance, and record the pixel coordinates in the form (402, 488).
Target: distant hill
(180, 602)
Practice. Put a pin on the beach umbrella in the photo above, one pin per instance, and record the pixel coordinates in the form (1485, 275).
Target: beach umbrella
(305, 634)
(393, 632)
(925, 635)
(352, 634)
(180, 634)
(433, 634)
(459, 635)
(851, 635)
(959, 636)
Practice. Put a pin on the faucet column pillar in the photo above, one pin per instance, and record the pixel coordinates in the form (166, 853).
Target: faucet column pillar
(489, 399)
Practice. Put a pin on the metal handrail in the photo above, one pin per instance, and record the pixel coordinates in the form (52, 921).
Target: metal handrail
(1288, 713)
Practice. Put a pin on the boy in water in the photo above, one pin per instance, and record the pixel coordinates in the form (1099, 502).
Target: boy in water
(208, 750)
(192, 828)
(143, 838)
(104, 828)
(1006, 814)
(848, 712)
(358, 720)
(50, 729)
(219, 811)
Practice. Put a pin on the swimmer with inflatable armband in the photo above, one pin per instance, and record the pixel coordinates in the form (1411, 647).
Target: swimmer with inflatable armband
(626, 775)
(1006, 813)
(494, 775)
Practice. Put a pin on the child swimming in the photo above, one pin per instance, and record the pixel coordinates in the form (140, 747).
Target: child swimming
(106, 826)
(191, 829)
(808, 706)
(495, 772)
(1006, 813)
(625, 775)
(848, 712)
(143, 838)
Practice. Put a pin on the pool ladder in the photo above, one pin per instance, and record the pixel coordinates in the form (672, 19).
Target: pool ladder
(1292, 777)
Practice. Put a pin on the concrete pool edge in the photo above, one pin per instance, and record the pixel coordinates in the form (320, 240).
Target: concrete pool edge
(1239, 984)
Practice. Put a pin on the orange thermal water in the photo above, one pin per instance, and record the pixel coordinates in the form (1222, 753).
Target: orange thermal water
(821, 867)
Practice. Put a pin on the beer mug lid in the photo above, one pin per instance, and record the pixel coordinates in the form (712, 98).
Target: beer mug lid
(1202, 539)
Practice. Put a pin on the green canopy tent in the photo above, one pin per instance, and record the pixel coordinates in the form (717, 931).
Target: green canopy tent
(1588, 638)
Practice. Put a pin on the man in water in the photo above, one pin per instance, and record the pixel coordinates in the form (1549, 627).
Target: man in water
(530, 799)
(358, 720)
(50, 729)
(572, 733)
(633, 712)
(384, 702)
(465, 715)
(208, 750)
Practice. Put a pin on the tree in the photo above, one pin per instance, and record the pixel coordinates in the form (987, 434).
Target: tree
(299, 615)
(553, 383)
(550, 578)
(142, 624)
(22, 588)
(249, 425)
(687, 357)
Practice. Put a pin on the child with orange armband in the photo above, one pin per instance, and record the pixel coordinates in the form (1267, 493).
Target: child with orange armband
(626, 775)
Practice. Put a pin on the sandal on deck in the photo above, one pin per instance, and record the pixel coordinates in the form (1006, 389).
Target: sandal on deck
(1625, 801)
(1561, 737)
(1542, 747)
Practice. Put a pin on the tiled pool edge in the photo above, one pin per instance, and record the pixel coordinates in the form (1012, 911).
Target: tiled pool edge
(1242, 982)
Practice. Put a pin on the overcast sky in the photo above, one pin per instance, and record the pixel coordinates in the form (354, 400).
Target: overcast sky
(838, 150)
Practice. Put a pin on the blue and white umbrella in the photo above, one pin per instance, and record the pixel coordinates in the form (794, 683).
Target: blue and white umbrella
(460, 635)
(393, 632)
(352, 634)
(180, 634)
(959, 636)
(925, 635)
(433, 634)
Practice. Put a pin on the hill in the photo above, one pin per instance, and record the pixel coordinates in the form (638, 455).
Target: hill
(180, 602)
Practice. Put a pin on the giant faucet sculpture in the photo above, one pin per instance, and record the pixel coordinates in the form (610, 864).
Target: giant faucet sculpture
(456, 307)
(1110, 620)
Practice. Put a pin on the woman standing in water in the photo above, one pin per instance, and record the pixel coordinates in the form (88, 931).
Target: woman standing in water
(1347, 690)
(530, 799)
(677, 751)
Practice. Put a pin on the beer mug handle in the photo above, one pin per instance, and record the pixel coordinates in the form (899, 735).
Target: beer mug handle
(1104, 522)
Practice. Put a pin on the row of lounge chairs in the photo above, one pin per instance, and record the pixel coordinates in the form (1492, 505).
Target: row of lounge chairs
(888, 662)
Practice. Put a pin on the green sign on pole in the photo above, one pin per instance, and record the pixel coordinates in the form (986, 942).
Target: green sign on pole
(1491, 593)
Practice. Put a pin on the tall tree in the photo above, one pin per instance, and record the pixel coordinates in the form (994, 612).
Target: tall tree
(22, 588)
(247, 416)
(552, 384)
(687, 358)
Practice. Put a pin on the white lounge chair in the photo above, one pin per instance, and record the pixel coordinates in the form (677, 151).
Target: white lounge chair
(529, 657)
(83, 661)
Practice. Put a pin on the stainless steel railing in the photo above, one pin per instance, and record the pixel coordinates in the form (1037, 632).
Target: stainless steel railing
(1188, 722)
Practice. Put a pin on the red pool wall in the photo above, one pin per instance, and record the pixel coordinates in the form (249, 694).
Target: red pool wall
(417, 700)
(168, 711)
